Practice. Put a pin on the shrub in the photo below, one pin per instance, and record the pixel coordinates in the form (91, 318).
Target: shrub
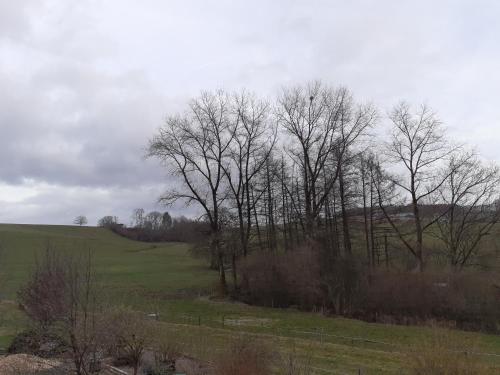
(402, 295)
(39, 343)
(244, 356)
(166, 350)
(44, 296)
(470, 301)
(129, 334)
(281, 280)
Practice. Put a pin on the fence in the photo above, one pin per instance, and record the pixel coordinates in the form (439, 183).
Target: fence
(265, 325)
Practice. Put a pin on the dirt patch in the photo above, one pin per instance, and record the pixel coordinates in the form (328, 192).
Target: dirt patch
(25, 364)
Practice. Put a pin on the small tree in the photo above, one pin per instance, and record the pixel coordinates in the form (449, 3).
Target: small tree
(61, 293)
(44, 296)
(418, 145)
(80, 220)
(138, 218)
(130, 334)
(81, 324)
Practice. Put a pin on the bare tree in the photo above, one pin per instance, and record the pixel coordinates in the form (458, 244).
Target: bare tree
(44, 296)
(383, 198)
(323, 124)
(418, 146)
(153, 220)
(138, 217)
(253, 141)
(365, 166)
(470, 195)
(81, 323)
(80, 220)
(62, 291)
(193, 146)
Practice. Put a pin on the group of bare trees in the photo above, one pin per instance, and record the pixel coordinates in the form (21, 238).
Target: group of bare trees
(312, 167)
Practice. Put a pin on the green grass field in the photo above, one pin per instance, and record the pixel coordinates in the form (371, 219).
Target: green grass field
(164, 278)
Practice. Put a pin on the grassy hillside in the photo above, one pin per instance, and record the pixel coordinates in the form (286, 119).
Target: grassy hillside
(164, 278)
(121, 265)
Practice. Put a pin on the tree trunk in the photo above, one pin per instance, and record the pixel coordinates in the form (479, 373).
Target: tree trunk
(222, 276)
(234, 273)
(365, 217)
(418, 231)
(345, 216)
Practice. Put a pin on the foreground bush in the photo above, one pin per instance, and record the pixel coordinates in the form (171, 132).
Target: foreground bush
(129, 335)
(39, 343)
(244, 356)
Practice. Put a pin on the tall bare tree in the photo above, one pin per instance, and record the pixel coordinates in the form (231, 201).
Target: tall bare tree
(418, 146)
(254, 136)
(323, 123)
(193, 147)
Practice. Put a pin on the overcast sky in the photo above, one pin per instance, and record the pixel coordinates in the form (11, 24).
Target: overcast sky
(85, 83)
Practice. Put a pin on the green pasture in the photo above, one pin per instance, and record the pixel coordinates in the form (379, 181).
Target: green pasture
(165, 279)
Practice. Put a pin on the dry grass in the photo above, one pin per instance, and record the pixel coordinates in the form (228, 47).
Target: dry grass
(441, 355)
(244, 356)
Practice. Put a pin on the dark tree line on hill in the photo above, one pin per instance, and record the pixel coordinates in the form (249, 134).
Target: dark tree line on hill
(157, 227)
(310, 171)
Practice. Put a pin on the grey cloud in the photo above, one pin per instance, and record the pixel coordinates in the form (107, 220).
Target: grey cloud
(84, 84)
(86, 130)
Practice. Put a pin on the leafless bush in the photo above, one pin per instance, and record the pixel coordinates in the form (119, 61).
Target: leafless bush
(244, 356)
(469, 300)
(61, 294)
(166, 347)
(129, 334)
(282, 280)
(44, 298)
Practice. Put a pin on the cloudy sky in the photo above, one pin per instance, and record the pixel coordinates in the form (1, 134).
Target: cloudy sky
(85, 83)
